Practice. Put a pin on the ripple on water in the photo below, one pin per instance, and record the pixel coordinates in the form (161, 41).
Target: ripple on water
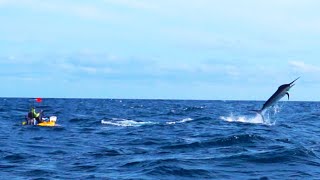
(241, 139)
(164, 168)
(159, 140)
(106, 153)
(175, 171)
(40, 173)
(17, 158)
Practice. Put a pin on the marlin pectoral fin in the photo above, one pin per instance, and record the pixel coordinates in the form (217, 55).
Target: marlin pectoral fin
(288, 95)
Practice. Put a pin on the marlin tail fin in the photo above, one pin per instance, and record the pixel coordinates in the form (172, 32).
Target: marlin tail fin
(259, 112)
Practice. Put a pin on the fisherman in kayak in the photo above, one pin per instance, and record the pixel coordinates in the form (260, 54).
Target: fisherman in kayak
(33, 115)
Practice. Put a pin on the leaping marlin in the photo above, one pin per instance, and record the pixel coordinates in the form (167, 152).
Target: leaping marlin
(280, 93)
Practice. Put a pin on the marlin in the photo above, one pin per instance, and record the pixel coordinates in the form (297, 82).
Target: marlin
(280, 93)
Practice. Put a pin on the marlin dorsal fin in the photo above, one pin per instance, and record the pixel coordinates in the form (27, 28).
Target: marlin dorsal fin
(288, 95)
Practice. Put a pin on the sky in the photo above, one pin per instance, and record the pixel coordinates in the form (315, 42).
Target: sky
(159, 49)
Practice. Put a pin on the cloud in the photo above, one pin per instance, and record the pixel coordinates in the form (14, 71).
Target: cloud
(247, 13)
(4, 2)
(83, 10)
(136, 4)
(303, 67)
(196, 70)
(69, 67)
(200, 38)
(112, 67)
(26, 78)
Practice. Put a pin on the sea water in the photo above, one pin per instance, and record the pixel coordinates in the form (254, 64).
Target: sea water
(160, 139)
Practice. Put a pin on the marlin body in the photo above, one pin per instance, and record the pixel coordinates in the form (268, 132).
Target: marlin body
(280, 93)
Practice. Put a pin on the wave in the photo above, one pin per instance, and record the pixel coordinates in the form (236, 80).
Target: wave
(106, 152)
(16, 158)
(133, 123)
(232, 140)
(281, 154)
(165, 168)
(181, 121)
(58, 152)
(182, 172)
(184, 110)
(126, 122)
(194, 108)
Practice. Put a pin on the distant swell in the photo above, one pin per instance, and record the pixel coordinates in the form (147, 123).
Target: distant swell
(278, 155)
(167, 168)
(218, 141)
(193, 108)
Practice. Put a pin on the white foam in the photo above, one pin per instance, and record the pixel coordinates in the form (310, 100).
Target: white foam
(242, 119)
(130, 123)
(181, 121)
(125, 122)
(276, 109)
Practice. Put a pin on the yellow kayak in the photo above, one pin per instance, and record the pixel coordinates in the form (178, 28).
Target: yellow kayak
(47, 123)
(51, 122)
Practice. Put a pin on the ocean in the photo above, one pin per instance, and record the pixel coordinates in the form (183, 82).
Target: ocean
(160, 139)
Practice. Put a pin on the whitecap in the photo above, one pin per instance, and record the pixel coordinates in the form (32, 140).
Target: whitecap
(125, 122)
(181, 121)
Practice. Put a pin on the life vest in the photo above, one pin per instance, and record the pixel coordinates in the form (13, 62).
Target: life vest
(34, 114)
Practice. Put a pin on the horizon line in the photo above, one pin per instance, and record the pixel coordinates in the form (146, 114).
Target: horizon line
(157, 99)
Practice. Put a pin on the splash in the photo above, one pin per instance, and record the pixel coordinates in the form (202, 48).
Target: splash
(269, 117)
(125, 122)
(276, 108)
(243, 119)
(181, 121)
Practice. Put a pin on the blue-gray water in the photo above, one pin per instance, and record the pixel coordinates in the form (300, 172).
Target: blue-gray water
(160, 139)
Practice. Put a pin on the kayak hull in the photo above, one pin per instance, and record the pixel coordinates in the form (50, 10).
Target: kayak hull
(47, 122)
